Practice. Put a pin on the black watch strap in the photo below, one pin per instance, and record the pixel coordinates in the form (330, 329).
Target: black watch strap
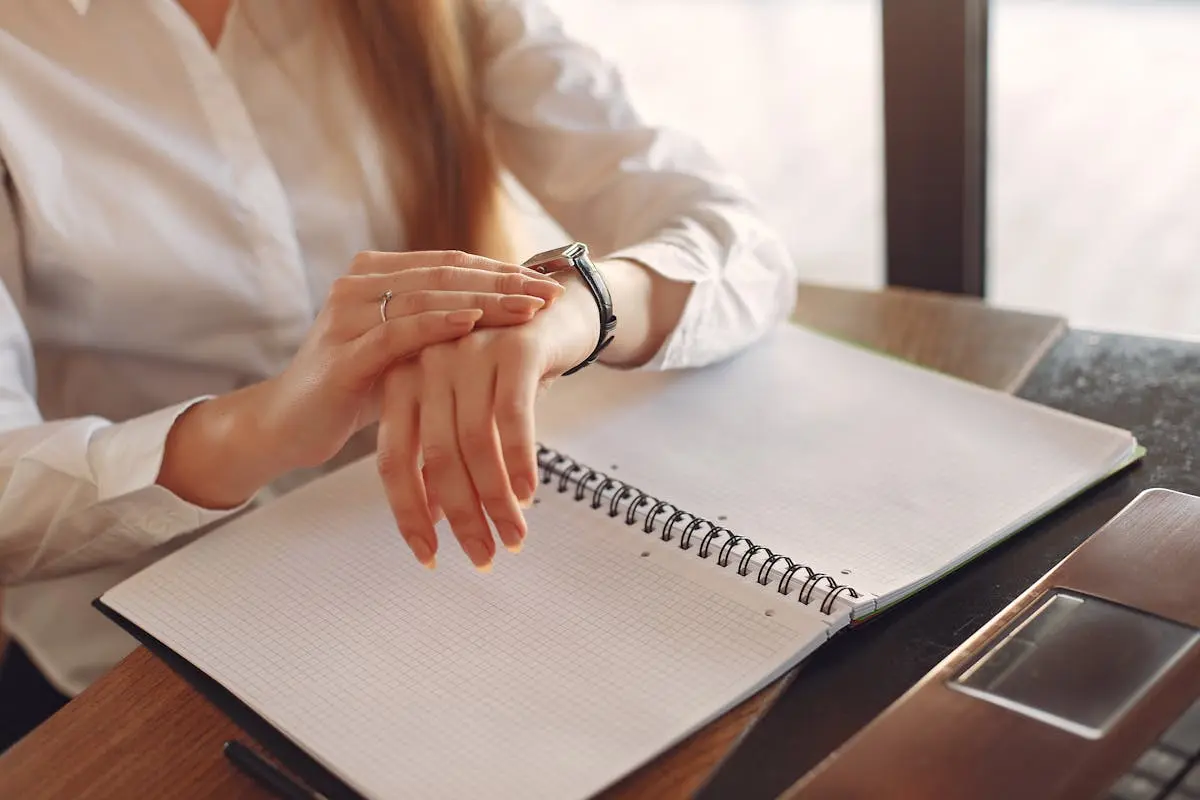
(575, 256)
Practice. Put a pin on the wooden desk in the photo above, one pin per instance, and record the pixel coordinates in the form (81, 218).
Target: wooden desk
(142, 732)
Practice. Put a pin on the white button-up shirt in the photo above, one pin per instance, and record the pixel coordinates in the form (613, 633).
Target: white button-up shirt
(174, 214)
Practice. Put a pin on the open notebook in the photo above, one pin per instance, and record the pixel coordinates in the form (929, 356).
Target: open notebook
(698, 534)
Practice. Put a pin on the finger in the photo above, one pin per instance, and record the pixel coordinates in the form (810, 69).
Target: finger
(474, 394)
(444, 467)
(435, 507)
(516, 395)
(498, 309)
(461, 279)
(369, 288)
(376, 262)
(397, 461)
(398, 339)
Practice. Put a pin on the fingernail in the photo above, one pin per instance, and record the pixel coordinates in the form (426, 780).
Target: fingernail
(521, 303)
(544, 285)
(511, 536)
(464, 316)
(536, 274)
(524, 491)
(479, 553)
(422, 551)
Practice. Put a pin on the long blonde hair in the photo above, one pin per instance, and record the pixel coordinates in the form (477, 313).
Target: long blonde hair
(419, 66)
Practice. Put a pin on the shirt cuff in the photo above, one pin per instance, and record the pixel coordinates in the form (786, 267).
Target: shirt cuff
(126, 458)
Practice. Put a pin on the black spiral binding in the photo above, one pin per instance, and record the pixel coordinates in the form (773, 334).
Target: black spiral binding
(570, 475)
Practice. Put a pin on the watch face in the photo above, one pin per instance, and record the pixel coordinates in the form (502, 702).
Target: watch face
(556, 259)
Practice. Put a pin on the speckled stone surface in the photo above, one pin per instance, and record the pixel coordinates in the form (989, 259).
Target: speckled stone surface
(1150, 386)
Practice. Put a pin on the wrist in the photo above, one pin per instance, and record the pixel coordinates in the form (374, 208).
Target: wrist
(217, 455)
(580, 332)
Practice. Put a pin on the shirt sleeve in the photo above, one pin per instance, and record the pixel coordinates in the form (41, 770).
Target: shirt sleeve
(567, 131)
(75, 494)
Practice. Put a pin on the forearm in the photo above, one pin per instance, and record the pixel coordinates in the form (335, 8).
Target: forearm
(85, 492)
(648, 306)
(217, 454)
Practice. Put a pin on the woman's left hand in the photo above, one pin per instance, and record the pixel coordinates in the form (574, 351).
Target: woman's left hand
(466, 409)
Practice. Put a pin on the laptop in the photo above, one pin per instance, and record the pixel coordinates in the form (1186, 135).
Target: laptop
(1086, 686)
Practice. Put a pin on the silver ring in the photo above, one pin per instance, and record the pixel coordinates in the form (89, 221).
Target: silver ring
(383, 301)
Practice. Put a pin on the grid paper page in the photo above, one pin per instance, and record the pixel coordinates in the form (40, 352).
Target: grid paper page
(877, 472)
(561, 671)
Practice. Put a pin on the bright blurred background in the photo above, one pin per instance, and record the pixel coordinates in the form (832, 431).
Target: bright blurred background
(1094, 162)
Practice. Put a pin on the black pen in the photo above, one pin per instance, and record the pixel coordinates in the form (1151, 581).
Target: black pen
(266, 773)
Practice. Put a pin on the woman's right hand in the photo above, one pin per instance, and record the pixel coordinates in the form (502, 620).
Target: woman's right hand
(221, 451)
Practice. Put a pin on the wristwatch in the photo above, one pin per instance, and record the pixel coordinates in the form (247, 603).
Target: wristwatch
(575, 256)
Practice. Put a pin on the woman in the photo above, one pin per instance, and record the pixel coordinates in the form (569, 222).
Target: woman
(207, 206)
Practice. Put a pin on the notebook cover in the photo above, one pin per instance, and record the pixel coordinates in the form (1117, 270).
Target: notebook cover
(286, 752)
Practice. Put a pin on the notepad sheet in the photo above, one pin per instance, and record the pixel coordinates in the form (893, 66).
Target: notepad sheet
(567, 667)
(874, 471)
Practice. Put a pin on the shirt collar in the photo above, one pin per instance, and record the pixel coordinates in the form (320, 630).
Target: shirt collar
(80, 6)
